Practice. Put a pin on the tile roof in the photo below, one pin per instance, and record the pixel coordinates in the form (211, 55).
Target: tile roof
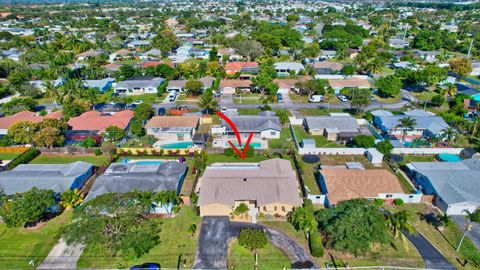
(434, 124)
(270, 181)
(350, 82)
(239, 65)
(257, 123)
(235, 83)
(94, 120)
(342, 123)
(346, 184)
(173, 121)
(7, 121)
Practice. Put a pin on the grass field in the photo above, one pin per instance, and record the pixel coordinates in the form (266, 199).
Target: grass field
(417, 158)
(248, 111)
(8, 156)
(19, 245)
(95, 160)
(320, 141)
(175, 245)
(285, 140)
(269, 257)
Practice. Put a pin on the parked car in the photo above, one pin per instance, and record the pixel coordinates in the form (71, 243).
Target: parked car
(224, 109)
(172, 96)
(218, 93)
(372, 98)
(137, 102)
(161, 111)
(146, 266)
(315, 98)
(280, 98)
(342, 98)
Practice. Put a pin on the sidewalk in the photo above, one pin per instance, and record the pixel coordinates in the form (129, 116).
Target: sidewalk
(62, 256)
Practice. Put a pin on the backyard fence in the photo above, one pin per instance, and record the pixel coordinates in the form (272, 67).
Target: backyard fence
(426, 151)
(68, 150)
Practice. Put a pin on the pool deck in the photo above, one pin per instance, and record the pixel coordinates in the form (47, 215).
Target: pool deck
(223, 143)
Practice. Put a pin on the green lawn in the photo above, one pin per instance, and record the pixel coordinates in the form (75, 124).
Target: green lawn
(313, 112)
(19, 245)
(285, 140)
(297, 98)
(247, 100)
(309, 174)
(213, 158)
(387, 99)
(269, 257)
(95, 160)
(175, 244)
(446, 241)
(248, 111)
(320, 141)
(8, 156)
(417, 158)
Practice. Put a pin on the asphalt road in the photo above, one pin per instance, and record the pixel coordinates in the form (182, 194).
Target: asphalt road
(431, 256)
(216, 232)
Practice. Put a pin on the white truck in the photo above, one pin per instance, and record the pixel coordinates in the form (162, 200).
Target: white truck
(315, 98)
(172, 96)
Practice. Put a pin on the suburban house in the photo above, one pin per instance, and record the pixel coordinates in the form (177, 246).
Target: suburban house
(327, 54)
(178, 85)
(7, 121)
(102, 85)
(126, 177)
(475, 68)
(265, 125)
(340, 184)
(87, 54)
(285, 69)
(454, 185)
(138, 86)
(120, 54)
(229, 86)
(242, 67)
(286, 86)
(469, 91)
(352, 82)
(334, 128)
(93, 124)
(398, 43)
(172, 128)
(268, 188)
(326, 67)
(42, 84)
(426, 125)
(152, 54)
(428, 56)
(57, 177)
(138, 44)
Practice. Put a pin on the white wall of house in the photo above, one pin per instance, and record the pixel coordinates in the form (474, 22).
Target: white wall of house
(407, 198)
(270, 134)
(316, 199)
(169, 136)
(460, 208)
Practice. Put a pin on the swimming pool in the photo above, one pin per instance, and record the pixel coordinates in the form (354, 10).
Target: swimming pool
(148, 162)
(252, 144)
(449, 157)
(177, 145)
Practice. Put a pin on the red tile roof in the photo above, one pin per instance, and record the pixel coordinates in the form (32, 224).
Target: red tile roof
(236, 66)
(93, 120)
(7, 121)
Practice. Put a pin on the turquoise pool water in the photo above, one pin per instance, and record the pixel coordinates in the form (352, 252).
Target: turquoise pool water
(449, 157)
(177, 145)
(255, 145)
(149, 162)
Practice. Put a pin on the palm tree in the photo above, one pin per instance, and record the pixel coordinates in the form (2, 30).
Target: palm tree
(399, 222)
(375, 65)
(208, 101)
(406, 124)
(92, 97)
(71, 198)
(449, 134)
(451, 89)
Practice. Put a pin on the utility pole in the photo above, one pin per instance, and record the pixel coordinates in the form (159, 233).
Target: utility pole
(469, 49)
(468, 227)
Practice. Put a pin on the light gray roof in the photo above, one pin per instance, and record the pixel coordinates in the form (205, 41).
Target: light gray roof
(206, 81)
(289, 65)
(270, 181)
(139, 83)
(341, 123)
(434, 124)
(126, 177)
(57, 177)
(257, 123)
(381, 113)
(455, 182)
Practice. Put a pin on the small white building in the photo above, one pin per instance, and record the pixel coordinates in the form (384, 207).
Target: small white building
(374, 156)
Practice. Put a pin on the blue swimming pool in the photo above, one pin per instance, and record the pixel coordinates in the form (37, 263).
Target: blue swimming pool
(149, 162)
(449, 157)
(177, 145)
(255, 145)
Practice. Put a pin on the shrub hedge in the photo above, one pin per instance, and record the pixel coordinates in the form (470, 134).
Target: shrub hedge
(316, 244)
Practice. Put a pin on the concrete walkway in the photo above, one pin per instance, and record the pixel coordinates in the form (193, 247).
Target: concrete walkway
(62, 256)
(216, 232)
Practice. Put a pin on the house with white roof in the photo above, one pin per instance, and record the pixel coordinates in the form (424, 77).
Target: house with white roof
(284, 69)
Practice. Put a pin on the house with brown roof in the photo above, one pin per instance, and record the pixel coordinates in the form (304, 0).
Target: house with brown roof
(340, 184)
(229, 86)
(87, 54)
(7, 121)
(122, 53)
(93, 124)
(268, 188)
(172, 128)
(243, 67)
(286, 86)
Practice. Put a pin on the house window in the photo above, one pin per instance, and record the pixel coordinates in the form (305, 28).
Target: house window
(275, 208)
(265, 208)
(389, 196)
(411, 196)
(273, 133)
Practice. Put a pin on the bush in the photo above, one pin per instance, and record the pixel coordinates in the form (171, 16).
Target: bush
(385, 147)
(316, 244)
(379, 202)
(364, 141)
(250, 151)
(24, 158)
(229, 152)
(398, 201)
(97, 152)
(438, 100)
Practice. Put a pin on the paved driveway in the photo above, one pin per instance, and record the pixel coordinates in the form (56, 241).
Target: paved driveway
(474, 234)
(216, 232)
(62, 256)
(431, 256)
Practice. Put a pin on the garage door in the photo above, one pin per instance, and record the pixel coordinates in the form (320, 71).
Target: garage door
(229, 90)
(283, 90)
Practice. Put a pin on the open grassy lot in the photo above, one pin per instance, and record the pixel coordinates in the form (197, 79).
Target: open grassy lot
(95, 160)
(19, 245)
(320, 141)
(248, 111)
(446, 240)
(387, 99)
(8, 156)
(417, 158)
(269, 257)
(285, 140)
(310, 174)
(297, 98)
(313, 112)
(175, 245)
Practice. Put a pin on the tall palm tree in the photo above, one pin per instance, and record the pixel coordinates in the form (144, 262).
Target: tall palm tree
(449, 134)
(207, 101)
(91, 95)
(406, 124)
(375, 65)
(398, 222)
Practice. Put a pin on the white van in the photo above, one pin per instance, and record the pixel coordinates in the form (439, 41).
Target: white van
(315, 98)
(172, 95)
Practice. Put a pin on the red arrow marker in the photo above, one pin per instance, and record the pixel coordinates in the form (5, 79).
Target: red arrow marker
(237, 134)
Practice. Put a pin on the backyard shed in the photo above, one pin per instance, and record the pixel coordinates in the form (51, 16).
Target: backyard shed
(374, 156)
